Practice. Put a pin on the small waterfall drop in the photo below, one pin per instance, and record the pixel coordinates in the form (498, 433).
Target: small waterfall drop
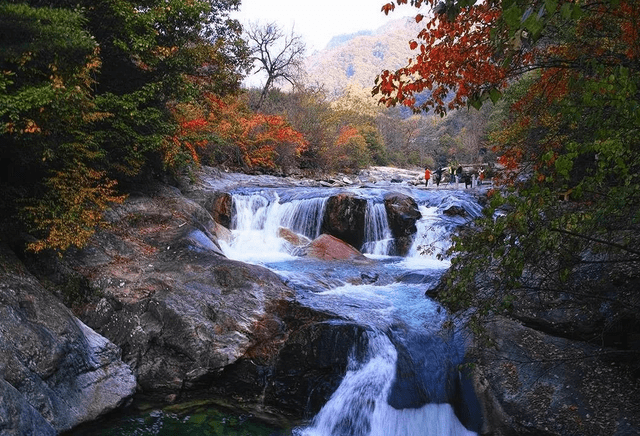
(260, 216)
(377, 237)
(359, 407)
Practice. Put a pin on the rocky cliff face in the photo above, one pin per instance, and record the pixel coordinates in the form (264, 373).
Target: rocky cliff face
(55, 372)
(535, 383)
(563, 359)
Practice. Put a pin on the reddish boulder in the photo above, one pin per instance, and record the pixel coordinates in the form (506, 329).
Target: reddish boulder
(327, 247)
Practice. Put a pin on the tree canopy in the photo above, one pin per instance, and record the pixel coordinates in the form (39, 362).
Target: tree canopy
(565, 76)
(86, 96)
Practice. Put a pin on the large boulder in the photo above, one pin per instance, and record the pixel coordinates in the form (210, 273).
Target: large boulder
(55, 372)
(179, 310)
(344, 218)
(311, 365)
(297, 362)
(327, 247)
(402, 214)
(532, 383)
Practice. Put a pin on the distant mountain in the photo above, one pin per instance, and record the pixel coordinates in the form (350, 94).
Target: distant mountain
(359, 57)
(341, 39)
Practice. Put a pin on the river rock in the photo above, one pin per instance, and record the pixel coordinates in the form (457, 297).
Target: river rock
(292, 237)
(344, 218)
(179, 309)
(221, 208)
(531, 383)
(327, 247)
(402, 214)
(455, 211)
(311, 365)
(55, 371)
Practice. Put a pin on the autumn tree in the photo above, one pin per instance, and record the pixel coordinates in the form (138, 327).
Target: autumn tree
(50, 175)
(277, 54)
(308, 110)
(567, 76)
(86, 96)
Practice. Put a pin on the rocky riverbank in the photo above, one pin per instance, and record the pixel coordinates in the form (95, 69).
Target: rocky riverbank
(159, 312)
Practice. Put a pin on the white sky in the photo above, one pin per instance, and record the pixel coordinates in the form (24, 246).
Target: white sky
(317, 22)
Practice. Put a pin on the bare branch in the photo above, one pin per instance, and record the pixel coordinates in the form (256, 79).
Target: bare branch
(278, 54)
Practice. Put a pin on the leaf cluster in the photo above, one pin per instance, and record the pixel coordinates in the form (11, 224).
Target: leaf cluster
(86, 90)
(570, 157)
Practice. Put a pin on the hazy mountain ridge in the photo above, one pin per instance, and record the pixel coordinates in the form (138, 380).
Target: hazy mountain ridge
(360, 57)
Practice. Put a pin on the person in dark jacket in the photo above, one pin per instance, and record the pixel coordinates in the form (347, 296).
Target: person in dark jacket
(438, 176)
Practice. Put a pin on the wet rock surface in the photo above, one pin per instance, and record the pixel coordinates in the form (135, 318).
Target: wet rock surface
(344, 218)
(402, 213)
(192, 323)
(327, 247)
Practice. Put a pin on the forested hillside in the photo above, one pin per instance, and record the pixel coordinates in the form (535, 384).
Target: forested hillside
(359, 58)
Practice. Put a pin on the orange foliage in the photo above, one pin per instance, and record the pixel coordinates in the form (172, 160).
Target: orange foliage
(257, 138)
(346, 134)
(73, 207)
(472, 55)
(349, 151)
(456, 56)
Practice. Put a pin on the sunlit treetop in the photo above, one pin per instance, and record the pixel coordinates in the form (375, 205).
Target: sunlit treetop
(468, 51)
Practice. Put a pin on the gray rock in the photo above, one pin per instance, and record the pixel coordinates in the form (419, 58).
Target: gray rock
(179, 309)
(61, 371)
(531, 383)
(344, 218)
(402, 213)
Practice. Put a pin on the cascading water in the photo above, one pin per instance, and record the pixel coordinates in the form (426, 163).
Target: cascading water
(408, 383)
(377, 236)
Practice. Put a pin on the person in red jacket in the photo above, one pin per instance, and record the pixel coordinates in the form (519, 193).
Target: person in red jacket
(427, 176)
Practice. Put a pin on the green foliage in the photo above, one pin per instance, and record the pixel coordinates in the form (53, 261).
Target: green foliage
(569, 148)
(85, 96)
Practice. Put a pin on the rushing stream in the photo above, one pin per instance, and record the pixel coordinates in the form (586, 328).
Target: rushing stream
(406, 381)
(408, 376)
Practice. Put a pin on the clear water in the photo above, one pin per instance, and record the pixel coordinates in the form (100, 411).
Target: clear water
(401, 387)
(387, 296)
(202, 420)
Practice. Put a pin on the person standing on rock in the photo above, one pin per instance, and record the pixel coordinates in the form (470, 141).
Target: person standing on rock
(438, 177)
(427, 176)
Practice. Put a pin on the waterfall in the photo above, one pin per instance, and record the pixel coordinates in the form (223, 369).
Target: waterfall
(377, 236)
(359, 407)
(256, 212)
(258, 219)
(433, 238)
(406, 383)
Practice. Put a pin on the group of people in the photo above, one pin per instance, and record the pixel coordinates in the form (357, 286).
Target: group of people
(455, 176)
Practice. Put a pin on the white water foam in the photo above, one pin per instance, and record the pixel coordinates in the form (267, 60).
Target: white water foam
(258, 221)
(377, 237)
(359, 406)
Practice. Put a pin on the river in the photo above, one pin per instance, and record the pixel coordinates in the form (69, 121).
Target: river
(408, 381)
